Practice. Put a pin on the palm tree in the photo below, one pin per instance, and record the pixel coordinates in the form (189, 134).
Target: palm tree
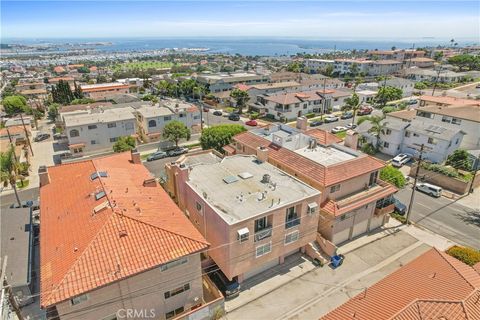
(377, 128)
(9, 171)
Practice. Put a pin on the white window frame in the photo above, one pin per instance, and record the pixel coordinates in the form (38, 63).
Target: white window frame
(296, 232)
(269, 244)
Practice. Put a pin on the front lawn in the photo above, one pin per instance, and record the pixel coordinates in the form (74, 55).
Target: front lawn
(341, 135)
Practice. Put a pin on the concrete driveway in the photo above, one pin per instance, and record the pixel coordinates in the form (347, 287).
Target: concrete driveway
(322, 289)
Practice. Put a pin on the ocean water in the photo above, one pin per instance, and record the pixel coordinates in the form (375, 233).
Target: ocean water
(263, 46)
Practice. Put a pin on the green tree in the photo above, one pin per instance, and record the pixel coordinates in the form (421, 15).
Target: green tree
(62, 93)
(241, 97)
(296, 66)
(124, 144)
(386, 94)
(388, 109)
(420, 85)
(465, 62)
(150, 97)
(393, 175)
(176, 130)
(216, 137)
(53, 111)
(460, 159)
(15, 104)
(438, 56)
(328, 71)
(377, 127)
(83, 69)
(77, 93)
(9, 170)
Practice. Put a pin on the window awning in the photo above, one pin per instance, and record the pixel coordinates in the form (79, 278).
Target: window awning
(312, 205)
(243, 231)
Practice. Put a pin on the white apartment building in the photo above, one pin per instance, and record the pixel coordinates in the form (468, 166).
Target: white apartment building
(445, 76)
(217, 82)
(344, 66)
(98, 129)
(152, 119)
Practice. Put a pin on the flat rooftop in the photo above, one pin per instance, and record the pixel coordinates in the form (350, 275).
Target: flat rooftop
(326, 156)
(233, 187)
(78, 118)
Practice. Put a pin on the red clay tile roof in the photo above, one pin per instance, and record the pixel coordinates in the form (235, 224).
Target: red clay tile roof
(323, 137)
(326, 176)
(339, 207)
(432, 286)
(243, 87)
(139, 228)
(105, 88)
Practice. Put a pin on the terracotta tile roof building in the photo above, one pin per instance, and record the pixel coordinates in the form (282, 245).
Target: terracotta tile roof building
(105, 220)
(347, 178)
(433, 286)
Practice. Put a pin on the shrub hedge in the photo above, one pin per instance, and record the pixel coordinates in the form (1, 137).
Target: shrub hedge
(467, 255)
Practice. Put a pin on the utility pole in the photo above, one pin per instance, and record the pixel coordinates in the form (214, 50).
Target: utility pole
(407, 217)
(5, 285)
(476, 164)
(13, 146)
(410, 59)
(436, 80)
(26, 134)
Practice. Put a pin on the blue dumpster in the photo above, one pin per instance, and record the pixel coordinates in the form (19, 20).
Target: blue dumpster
(336, 261)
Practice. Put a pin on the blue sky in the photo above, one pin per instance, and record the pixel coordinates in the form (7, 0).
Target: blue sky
(317, 19)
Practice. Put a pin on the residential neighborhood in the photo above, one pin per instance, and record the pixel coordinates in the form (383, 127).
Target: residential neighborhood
(207, 161)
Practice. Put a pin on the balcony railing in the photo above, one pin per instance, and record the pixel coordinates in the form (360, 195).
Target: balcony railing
(263, 234)
(292, 223)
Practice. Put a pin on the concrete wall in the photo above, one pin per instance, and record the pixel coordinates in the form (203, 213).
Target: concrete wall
(100, 95)
(144, 291)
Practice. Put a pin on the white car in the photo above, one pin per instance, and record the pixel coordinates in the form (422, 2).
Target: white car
(429, 189)
(401, 159)
(351, 126)
(330, 118)
(339, 129)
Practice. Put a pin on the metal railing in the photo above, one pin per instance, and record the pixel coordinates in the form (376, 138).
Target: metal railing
(292, 223)
(263, 234)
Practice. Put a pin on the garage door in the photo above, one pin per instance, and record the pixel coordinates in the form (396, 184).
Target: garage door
(360, 228)
(341, 236)
(262, 268)
(376, 221)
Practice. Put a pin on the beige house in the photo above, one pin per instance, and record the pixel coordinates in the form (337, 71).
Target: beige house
(113, 243)
(353, 198)
(253, 214)
(101, 91)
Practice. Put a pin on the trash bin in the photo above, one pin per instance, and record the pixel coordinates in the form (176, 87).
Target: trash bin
(336, 261)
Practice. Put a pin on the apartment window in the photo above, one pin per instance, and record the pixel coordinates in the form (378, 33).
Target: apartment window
(152, 123)
(74, 133)
(181, 115)
(388, 132)
(93, 142)
(446, 119)
(432, 141)
(260, 224)
(174, 313)
(173, 263)
(115, 139)
(407, 134)
(263, 249)
(292, 237)
(291, 218)
(78, 299)
(167, 118)
(373, 178)
(92, 126)
(297, 105)
(386, 144)
(243, 234)
(176, 291)
(129, 126)
(312, 208)
(334, 188)
(111, 125)
(456, 121)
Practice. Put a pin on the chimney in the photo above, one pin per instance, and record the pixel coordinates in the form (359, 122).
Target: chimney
(136, 156)
(262, 154)
(351, 139)
(302, 123)
(43, 175)
(150, 182)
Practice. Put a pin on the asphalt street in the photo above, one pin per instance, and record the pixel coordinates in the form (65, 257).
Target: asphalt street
(445, 217)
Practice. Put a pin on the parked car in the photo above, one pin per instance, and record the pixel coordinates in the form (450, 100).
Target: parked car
(34, 204)
(477, 86)
(316, 123)
(351, 126)
(234, 117)
(177, 151)
(347, 115)
(41, 137)
(251, 123)
(400, 208)
(330, 118)
(157, 155)
(429, 189)
(229, 288)
(217, 113)
(206, 109)
(59, 136)
(339, 129)
(365, 110)
(411, 102)
(401, 159)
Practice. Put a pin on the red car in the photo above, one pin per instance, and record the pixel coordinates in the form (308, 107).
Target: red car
(251, 123)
